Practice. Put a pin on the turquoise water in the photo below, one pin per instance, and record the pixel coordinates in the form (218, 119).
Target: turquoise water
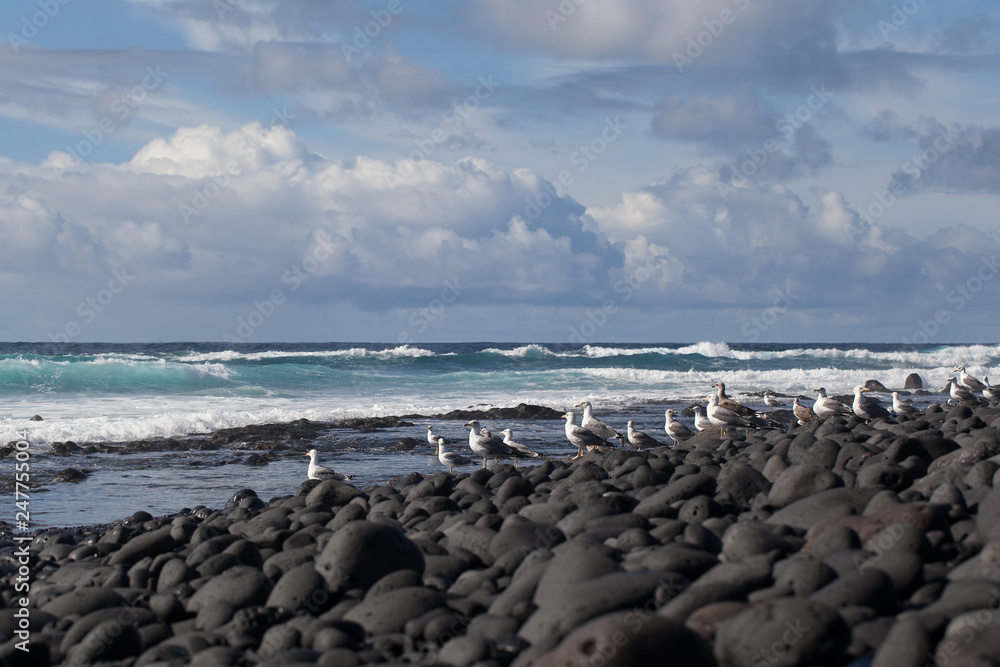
(125, 392)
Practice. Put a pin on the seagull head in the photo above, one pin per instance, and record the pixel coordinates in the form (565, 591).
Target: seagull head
(311, 453)
(474, 425)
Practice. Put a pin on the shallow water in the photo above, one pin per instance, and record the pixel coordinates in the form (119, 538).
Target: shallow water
(93, 393)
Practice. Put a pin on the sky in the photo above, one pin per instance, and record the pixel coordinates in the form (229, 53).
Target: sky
(500, 170)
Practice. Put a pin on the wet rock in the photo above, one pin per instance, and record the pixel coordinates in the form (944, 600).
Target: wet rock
(362, 552)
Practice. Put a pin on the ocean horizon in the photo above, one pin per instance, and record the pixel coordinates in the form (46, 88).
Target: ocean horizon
(118, 394)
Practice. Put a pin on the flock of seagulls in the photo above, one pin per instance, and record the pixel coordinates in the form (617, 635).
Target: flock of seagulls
(720, 411)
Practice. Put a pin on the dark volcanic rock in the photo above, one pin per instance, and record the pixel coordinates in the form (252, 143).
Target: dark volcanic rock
(913, 381)
(362, 552)
(785, 633)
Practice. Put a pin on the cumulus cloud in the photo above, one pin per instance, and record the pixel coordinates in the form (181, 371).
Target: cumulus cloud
(953, 159)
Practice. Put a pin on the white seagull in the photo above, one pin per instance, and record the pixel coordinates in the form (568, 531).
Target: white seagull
(316, 471)
(901, 407)
(582, 438)
(721, 416)
(451, 460)
(592, 423)
(867, 410)
(992, 393)
(828, 407)
(432, 437)
(520, 451)
(487, 446)
(970, 381)
(640, 440)
(771, 401)
(676, 430)
(701, 421)
(959, 392)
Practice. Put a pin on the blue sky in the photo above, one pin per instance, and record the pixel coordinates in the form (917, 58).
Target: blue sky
(586, 170)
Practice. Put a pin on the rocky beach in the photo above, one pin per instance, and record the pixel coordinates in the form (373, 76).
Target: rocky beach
(836, 542)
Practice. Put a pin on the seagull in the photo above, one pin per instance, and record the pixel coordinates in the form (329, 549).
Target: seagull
(486, 445)
(802, 413)
(959, 392)
(640, 440)
(827, 407)
(970, 381)
(721, 416)
(771, 401)
(433, 437)
(701, 421)
(592, 423)
(676, 430)
(730, 404)
(867, 410)
(450, 459)
(582, 437)
(520, 451)
(901, 407)
(316, 471)
(992, 393)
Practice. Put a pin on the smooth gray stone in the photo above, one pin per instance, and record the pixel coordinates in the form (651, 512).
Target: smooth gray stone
(784, 633)
(559, 614)
(801, 481)
(82, 601)
(813, 510)
(660, 503)
(241, 587)
(868, 588)
(626, 639)
(724, 582)
(362, 552)
(108, 641)
(389, 612)
(301, 588)
(750, 539)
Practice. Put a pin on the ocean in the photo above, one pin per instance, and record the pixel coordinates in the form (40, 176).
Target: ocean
(118, 393)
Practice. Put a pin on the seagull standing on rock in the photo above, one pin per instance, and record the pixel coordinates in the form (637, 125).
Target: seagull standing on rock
(828, 407)
(901, 407)
(316, 471)
(520, 451)
(486, 445)
(991, 393)
(802, 413)
(721, 416)
(582, 438)
(451, 460)
(770, 401)
(701, 421)
(731, 405)
(676, 430)
(867, 410)
(970, 381)
(640, 440)
(592, 423)
(958, 392)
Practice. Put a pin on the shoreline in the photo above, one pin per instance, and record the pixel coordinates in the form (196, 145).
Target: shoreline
(711, 546)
